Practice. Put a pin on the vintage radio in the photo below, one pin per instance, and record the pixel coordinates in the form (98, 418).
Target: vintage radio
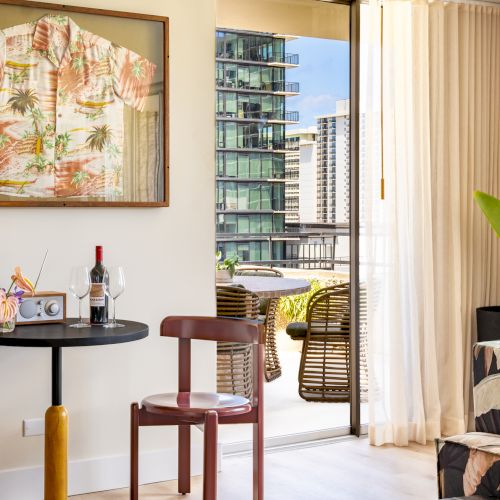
(43, 307)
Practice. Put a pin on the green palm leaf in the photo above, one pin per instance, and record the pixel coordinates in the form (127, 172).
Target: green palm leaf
(491, 208)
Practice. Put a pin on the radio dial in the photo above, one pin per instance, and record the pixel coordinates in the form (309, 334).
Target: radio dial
(52, 308)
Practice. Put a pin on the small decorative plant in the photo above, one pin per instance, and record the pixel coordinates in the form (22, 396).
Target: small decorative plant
(488, 317)
(228, 267)
(11, 298)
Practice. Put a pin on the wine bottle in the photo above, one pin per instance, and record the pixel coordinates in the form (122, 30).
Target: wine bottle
(98, 298)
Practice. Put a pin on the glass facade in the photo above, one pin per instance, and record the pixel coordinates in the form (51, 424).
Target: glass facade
(250, 142)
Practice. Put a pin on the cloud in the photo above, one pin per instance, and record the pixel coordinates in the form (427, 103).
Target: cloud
(321, 104)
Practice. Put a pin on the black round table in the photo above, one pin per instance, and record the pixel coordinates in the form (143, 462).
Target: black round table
(56, 336)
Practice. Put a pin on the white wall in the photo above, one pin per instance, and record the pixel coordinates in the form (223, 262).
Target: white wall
(168, 256)
(290, 17)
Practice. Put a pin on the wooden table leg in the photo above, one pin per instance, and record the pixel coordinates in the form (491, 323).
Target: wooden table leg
(56, 437)
(56, 453)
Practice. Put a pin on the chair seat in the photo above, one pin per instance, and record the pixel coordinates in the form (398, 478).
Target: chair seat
(196, 404)
(297, 331)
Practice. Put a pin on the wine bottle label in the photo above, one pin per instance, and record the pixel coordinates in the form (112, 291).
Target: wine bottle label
(97, 295)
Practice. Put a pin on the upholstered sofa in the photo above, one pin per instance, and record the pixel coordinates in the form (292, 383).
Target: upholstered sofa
(469, 464)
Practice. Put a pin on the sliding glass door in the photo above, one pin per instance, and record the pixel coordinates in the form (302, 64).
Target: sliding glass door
(287, 196)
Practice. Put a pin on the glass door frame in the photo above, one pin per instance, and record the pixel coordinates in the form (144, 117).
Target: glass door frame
(354, 44)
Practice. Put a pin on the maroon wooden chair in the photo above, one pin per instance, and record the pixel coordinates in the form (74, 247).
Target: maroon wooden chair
(186, 408)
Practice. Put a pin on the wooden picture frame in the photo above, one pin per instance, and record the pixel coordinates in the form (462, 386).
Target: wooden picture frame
(158, 175)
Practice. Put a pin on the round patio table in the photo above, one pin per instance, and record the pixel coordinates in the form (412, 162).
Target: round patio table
(272, 289)
(268, 287)
(56, 336)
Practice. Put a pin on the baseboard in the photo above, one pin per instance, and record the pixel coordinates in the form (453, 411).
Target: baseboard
(99, 474)
(292, 441)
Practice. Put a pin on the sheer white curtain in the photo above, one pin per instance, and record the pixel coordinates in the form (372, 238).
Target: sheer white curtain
(429, 258)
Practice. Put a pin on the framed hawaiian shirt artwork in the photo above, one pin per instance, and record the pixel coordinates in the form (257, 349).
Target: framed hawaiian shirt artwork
(83, 106)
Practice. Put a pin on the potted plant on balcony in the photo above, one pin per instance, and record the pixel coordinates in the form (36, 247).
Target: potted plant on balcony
(225, 270)
(488, 318)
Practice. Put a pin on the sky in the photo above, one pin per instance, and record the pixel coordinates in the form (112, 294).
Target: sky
(323, 74)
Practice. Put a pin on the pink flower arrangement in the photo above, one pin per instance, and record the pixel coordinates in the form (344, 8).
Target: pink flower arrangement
(11, 298)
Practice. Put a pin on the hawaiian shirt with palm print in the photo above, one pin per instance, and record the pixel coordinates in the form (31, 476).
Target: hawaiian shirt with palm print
(62, 99)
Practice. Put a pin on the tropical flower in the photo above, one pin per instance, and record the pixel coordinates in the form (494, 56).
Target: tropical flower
(8, 306)
(22, 282)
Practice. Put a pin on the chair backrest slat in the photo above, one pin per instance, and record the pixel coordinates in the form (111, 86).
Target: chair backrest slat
(258, 271)
(184, 365)
(237, 302)
(209, 328)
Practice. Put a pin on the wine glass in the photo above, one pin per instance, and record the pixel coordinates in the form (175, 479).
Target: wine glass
(80, 288)
(113, 289)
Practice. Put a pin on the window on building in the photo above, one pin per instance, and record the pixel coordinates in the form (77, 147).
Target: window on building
(243, 166)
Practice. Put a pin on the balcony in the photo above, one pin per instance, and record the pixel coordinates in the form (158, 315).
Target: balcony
(253, 56)
(286, 87)
(250, 115)
(280, 88)
(286, 117)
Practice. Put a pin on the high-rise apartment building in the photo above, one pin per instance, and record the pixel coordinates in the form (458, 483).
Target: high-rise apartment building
(251, 116)
(292, 165)
(301, 176)
(333, 165)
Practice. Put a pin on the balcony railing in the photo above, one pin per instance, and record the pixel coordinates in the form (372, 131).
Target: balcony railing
(286, 87)
(254, 56)
(292, 116)
(289, 116)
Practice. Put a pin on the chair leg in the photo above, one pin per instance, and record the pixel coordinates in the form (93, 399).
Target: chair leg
(134, 451)
(184, 459)
(210, 456)
(258, 461)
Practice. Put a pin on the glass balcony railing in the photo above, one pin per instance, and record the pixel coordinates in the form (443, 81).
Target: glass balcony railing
(292, 116)
(293, 87)
(289, 116)
(286, 87)
(254, 55)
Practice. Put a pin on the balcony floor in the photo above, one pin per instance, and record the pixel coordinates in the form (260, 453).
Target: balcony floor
(286, 412)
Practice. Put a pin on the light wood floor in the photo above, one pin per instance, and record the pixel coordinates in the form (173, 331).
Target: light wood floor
(345, 470)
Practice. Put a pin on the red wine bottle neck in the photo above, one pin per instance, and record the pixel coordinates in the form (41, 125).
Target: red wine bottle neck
(98, 255)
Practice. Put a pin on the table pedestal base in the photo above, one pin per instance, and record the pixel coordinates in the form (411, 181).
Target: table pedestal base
(272, 362)
(56, 453)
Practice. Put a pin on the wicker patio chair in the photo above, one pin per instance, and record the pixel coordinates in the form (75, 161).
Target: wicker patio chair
(324, 373)
(258, 271)
(234, 360)
(298, 331)
(268, 309)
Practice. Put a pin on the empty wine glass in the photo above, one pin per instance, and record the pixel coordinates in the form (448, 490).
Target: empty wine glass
(80, 288)
(114, 288)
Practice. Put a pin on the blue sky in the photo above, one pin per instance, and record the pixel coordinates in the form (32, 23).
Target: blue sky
(323, 74)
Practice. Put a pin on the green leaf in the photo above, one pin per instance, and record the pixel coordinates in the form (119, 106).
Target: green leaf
(491, 208)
